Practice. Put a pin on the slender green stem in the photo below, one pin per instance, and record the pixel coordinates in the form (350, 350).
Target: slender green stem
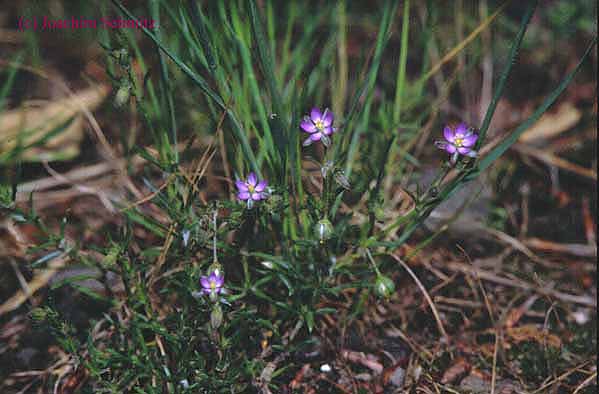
(372, 262)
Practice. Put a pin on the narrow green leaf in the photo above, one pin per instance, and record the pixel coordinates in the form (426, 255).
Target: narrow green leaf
(201, 82)
(198, 19)
(506, 71)
(14, 66)
(382, 39)
(403, 59)
(513, 137)
(266, 59)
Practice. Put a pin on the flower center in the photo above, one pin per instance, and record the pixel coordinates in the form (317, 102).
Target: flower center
(319, 124)
(251, 188)
(212, 285)
(458, 141)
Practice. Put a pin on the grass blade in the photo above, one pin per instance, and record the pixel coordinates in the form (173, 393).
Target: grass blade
(382, 39)
(403, 58)
(451, 54)
(266, 59)
(506, 71)
(165, 86)
(485, 162)
(14, 66)
(201, 82)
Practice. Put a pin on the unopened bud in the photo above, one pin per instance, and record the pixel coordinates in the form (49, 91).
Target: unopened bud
(122, 95)
(216, 317)
(379, 212)
(342, 180)
(215, 268)
(185, 236)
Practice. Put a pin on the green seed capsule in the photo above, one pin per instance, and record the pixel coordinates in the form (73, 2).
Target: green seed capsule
(384, 286)
(323, 230)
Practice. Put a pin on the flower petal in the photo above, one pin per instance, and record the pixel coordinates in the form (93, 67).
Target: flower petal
(252, 180)
(205, 282)
(241, 186)
(315, 115)
(327, 118)
(449, 134)
(219, 281)
(464, 150)
(261, 186)
(449, 148)
(243, 195)
(461, 130)
(256, 196)
(308, 126)
(469, 140)
(328, 130)
(441, 144)
(307, 142)
(316, 137)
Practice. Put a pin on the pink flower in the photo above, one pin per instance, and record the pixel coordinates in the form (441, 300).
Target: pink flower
(319, 125)
(251, 189)
(212, 284)
(458, 141)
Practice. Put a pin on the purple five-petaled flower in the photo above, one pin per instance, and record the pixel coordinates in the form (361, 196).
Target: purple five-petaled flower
(251, 189)
(319, 125)
(458, 141)
(213, 283)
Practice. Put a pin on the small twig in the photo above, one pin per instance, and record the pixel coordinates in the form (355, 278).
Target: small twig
(426, 296)
(20, 277)
(494, 369)
(518, 283)
(589, 224)
(83, 189)
(553, 160)
(265, 377)
(580, 250)
(561, 377)
(359, 357)
(516, 244)
(585, 382)
(36, 283)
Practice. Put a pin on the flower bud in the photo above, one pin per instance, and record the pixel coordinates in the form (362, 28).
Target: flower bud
(215, 268)
(323, 230)
(379, 212)
(216, 317)
(342, 180)
(384, 286)
(326, 168)
(122, 95)
(185, 237)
